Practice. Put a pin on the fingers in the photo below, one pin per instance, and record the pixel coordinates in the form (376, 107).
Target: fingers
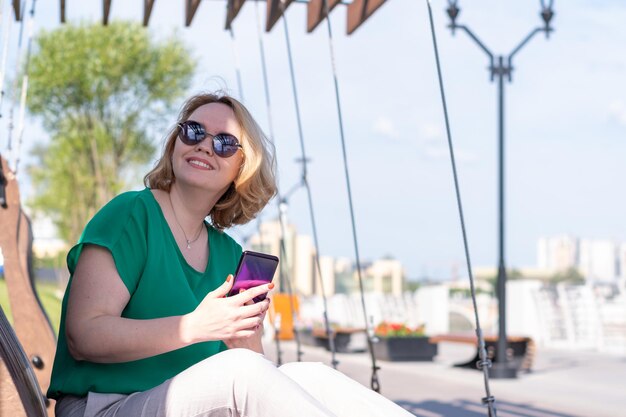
(250, 294)
(251, 323)
(242, 334)
(252, 310)
(223, 289)
(249, 302)
(245, 327)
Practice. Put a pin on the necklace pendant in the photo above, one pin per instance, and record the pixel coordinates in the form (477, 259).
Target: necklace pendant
(188, 245)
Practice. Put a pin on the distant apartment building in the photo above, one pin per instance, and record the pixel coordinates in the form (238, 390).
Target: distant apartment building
(621, 260)
(328, 283)
(337, 275)
(598, 260)
(385, 275)
(558, 253)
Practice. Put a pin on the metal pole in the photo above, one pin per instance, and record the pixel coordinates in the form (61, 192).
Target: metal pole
(501, 351)
(501, 367)
(286, 279)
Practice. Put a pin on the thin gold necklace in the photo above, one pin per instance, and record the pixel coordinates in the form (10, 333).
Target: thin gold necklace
(189, 242)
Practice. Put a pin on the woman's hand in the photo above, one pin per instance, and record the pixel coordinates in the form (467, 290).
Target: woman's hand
(252, 342)
(219, 317)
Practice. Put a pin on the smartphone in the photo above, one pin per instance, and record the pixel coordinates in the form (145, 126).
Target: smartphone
(254, 269)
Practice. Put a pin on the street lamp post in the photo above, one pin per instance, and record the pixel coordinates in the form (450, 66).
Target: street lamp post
(501, 67)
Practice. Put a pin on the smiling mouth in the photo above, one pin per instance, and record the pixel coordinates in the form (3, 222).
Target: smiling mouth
(200, 164)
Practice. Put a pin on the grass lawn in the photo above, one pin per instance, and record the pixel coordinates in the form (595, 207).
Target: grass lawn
(47, 295)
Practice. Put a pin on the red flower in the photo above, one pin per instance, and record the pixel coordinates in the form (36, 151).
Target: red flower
(386, 329)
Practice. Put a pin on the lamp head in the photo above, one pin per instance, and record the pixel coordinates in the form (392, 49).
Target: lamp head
(453, 11)
(547, 14)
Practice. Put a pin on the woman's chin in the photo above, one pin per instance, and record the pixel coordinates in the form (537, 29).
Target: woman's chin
(202, 184)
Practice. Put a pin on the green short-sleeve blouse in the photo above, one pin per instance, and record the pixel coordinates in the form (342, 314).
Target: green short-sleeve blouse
(160, 282)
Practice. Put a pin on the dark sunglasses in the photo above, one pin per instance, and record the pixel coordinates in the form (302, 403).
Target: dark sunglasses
(192, 133)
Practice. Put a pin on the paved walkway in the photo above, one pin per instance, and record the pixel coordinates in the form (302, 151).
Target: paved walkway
(562, 384)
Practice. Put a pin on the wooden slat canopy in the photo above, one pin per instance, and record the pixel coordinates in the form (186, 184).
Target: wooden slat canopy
(316, 13)
(147, 11)
(232, 10)
(62, 11)
(191, 6)
(17, 10)
(358, 11)
(274, 11)
(106, 10)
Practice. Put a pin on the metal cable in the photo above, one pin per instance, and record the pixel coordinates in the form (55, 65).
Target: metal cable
(374, 382)
(20, 129)
(484, 362)
(14, 89)
(282, 227)
(304, 160)
(264, 71)
(282, 207)
(236, 59)
(6, 35)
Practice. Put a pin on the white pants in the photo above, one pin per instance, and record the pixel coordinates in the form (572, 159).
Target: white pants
(241, 383)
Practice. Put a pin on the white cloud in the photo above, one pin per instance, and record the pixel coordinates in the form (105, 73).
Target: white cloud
(431, 140)
(441, 152)
(617, 110)
(430, 131)
(385, 126)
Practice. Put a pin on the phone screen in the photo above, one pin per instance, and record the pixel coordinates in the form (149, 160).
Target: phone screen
(254, 269)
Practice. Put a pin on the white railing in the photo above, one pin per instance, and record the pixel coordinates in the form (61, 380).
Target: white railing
(561, 317)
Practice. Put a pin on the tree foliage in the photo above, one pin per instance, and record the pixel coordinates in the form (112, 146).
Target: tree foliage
(100, 91)
(570, 276)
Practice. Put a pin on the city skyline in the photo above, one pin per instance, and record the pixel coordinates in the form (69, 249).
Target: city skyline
(597, 260)
(565, 122)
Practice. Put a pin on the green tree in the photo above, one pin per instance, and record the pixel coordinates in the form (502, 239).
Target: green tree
(411, 286)
(511, 274)
(101, 92)
(571, 276)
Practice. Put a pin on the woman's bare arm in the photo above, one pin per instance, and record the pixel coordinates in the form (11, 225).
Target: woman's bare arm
(96, 332)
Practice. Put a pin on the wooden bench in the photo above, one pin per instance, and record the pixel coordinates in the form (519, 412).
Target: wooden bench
(342, 336)
(21, 393)
(28, 347)
(520, 351)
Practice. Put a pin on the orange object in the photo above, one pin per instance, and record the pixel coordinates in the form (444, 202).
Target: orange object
(282, 305)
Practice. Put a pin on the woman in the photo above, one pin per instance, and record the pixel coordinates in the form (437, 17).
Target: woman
(146, 329)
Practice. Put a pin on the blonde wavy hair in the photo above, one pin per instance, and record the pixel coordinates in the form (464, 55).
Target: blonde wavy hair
(255, 184)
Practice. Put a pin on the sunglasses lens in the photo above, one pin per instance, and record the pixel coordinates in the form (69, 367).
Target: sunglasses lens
(191, 133)
(225, 145)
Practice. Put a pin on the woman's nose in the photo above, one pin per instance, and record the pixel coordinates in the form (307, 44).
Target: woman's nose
(206, 146)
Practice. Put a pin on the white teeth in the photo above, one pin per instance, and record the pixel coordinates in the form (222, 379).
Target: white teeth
(200, 164)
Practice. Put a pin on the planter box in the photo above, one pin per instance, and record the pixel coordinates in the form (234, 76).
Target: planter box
(318, 337)
(520, 349)
(308, 339)
(342, 340)
(405, 349)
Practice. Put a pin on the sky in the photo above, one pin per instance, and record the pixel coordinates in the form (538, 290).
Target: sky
(565, 121)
